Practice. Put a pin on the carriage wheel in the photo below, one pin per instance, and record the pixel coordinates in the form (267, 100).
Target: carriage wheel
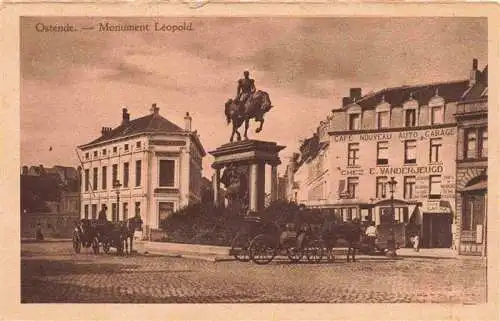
(76, 243)
(106, 246)
(314, 252)
(95, 245)
(262, 249)
(294, 254)
(330, 255)
(239, 247)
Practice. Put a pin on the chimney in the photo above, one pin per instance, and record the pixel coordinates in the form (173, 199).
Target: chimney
(105, 131)
(42, 169)
(187, 122)
(474, 73)
(125, 116)
(154, 109)
(346, 101)
(355, 94)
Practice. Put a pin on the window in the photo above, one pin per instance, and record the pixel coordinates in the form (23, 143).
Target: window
(483, 147)
(125, 174)
(435, 186)
(138, 165)
(383, 119)
(352, 212)
(354, 121)
(436, 115)
(401, 214)
(411, 152)
(86, 211)
(114, 174)
(104, 177)
(114, 213)
(125, 211)
(352, 186)
(165, 209)
(87, 179)
(381, 183)
(382, 153)
(86, 155)
(409, 187)
(115, 150)
(352, 154)
(95, 154)
(410, 117)
(94, 211)
(126, 147)
(94, 178)
(386, 216)
(470, 144)
(167, 173)
(137, 208)
(138, 145)
(104, 152)
(435, 147)
(473, 211)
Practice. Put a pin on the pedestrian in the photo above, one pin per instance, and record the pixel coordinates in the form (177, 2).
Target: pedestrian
(416, 243)
(38, 233)
(371, 235)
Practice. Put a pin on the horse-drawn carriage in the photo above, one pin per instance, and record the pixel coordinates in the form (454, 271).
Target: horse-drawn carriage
(262, 240)
(95, 233)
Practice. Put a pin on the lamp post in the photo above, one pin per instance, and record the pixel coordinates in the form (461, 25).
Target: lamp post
(392, 184)
(117, 185)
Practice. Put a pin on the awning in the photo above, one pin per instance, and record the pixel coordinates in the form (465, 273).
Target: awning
(397, 202)
(477, 186)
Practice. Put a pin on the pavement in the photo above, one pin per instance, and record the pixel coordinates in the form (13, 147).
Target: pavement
(51, 272)
(222, 253)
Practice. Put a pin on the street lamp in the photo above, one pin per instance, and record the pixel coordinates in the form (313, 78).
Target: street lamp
(392, 184)
(117, 185)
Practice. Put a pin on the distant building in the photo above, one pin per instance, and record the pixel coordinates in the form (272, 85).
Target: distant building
(409, 133)
(152, 163)
(50, 197)
(472, 164)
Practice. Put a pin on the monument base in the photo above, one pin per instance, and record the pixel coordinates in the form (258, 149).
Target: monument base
(252, 156)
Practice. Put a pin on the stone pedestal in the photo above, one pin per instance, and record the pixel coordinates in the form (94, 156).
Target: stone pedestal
(255, 154)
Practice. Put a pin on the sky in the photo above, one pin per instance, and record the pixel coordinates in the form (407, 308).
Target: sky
(74, 83)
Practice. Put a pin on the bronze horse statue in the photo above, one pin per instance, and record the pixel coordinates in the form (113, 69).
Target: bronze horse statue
(255, 107)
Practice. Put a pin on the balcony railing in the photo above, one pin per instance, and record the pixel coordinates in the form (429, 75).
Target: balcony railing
(472, 108)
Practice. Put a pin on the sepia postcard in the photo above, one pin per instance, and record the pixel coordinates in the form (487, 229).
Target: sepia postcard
(313, 162)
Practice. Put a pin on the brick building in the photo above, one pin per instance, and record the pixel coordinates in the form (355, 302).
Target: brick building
(472, 164)
(409, 133)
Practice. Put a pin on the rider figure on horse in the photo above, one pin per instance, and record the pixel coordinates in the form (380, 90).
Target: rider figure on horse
(246, 87)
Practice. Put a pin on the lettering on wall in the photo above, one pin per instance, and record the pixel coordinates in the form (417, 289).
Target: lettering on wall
(404, 135)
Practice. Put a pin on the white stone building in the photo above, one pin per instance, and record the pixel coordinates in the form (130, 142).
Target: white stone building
(147, 166)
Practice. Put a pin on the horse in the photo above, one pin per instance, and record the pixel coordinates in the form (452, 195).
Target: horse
(255, 107)
(127, 232)
(351, 232)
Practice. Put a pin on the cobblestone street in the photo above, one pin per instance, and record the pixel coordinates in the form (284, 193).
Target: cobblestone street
(52, 272)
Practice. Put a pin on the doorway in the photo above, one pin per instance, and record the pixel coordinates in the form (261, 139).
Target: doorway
(436, 230)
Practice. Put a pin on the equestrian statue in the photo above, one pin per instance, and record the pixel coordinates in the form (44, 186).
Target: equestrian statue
(249, 103)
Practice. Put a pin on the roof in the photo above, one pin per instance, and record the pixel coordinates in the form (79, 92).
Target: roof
(478, 90)
(396, 96)
(150, 123)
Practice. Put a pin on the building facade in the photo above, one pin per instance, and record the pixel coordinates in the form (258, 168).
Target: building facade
(147, 166)
(472, 164)
(407, 133)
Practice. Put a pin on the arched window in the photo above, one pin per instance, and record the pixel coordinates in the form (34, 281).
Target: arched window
(354, 117)
(383, 112)
(436, 109)
(410, 108)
